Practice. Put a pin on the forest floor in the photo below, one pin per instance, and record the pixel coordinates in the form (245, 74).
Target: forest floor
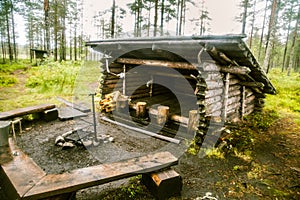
(258, 162)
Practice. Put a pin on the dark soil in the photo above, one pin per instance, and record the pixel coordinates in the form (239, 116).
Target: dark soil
(271, 171)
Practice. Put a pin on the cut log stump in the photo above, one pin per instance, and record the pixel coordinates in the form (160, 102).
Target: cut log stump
(141, 109)
(162, 115)
(50, 115)
(163, 185)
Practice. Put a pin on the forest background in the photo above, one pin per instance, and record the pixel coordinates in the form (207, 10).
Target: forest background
(59, 26)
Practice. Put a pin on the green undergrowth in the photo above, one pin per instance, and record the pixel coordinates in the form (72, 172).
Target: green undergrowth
(53, 77)
(7, 72)
(287, 99)
(10, 68)
(23, 84)
(244, 136)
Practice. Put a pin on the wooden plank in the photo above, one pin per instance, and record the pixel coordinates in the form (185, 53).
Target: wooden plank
(25, 111)
(22, 172)
(75, 106)
(56, 184)
(66, 113)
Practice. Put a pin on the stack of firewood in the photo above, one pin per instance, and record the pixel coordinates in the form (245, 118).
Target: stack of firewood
(108, 103)
(111, 101)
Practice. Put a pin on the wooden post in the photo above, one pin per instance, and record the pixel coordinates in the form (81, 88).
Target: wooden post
(164, 184)
(162, 115)
(151, 87)
(226, 91)
(124, 80)
(193, 119)
(121, 104)
(243, 101)
(141, 109)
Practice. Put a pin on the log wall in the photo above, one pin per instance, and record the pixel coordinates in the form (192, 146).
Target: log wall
(221, 94)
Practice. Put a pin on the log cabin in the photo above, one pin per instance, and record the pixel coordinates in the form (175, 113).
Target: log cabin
(198, 82)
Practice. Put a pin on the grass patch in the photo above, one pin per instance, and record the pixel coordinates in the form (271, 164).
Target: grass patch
(7, 77)
(7, 68)
(40, 84)
(287, 100)
(53, 77)
(7, 80)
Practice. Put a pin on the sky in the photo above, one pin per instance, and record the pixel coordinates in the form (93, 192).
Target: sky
(222, 13)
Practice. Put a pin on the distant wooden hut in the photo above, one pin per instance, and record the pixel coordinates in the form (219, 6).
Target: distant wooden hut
(216, 77)
(38, 54)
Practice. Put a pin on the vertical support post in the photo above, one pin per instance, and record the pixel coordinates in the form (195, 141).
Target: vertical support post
(94, 117)
(124, 80)
(141, 109)
(162, 114)
(193, 119)
(226, 91)
(243, 101)
(151, 87)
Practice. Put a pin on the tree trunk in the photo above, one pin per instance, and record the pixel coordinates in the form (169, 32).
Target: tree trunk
(245, 13)
(13, 32)
(47, 28)
(75, 43)
(293, 43)
(63, 32)
(284, 66)
(252, 25)
(178, 17)
(182, 2)
(271, 36)
(8, 32)
(70, 44)
(155, 17)
(113, 11)
(162, 17)
(262, 31)
(56, 30)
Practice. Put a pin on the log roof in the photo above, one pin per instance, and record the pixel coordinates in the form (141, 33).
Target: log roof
(226, 50)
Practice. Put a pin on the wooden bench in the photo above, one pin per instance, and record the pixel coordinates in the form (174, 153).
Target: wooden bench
(25, 111)
(26, 180)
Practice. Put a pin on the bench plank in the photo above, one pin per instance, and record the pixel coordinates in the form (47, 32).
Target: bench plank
(25, 111)
(22, 172)
(56, 184)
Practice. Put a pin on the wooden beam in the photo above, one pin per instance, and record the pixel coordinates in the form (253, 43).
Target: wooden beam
(162, 63)
(155, 135)
(252, 84)
(235, 70)
(185, 65)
